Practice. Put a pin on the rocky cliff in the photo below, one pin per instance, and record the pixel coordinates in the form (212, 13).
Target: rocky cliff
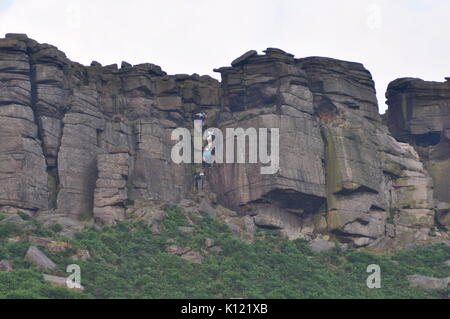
(93, 143)
(419, 114)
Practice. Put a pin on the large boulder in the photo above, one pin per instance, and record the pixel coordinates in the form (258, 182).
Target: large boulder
(38, 258)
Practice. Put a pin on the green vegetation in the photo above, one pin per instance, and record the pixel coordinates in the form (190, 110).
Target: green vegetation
(23, 215)
(56, 228)
(8, 229)
(128, 261)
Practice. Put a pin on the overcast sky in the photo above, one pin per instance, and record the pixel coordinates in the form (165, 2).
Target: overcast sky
(401, 38)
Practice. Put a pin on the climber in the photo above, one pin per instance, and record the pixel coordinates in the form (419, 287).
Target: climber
(199, 176)
(202, 116)
(207, 154)
(199, 120)
(209, 136)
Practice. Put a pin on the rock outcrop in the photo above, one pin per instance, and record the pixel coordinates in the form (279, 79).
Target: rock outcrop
(89, 142)
(419, 114)
(63, 124)
(23, 171)
(38, 258)
(340, 170)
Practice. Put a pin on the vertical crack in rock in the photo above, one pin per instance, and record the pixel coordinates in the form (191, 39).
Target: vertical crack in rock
(46, 82)
(23, 169)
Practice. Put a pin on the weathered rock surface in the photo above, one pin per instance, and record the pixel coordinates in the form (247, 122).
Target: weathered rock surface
(419, 114)
(82, 254)
(340, 170)
(193, 256)
(321, 245)
(111, 193)
(83, 143)
(62, 122)
(177, 250)
(428, 283)
(50, 244)
(37, 257)
(443, 214)
(61, 282)
(5, 265)
(14, 219)
(23, 171)
(69, 224)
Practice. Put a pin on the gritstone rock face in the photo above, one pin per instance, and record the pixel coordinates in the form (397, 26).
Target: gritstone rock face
(86, 141)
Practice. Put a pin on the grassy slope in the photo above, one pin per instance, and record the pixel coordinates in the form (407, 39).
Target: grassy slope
(129, 262)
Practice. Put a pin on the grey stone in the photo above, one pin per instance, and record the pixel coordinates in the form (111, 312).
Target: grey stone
(193, 256)
(428, 283)
(14, 219)
(88, 142)
(177, 250)
(156, 228)
(17, 36)
(125, 65)
(207, 209)
(443, 214)
(186, 203)
(321, 245)
(60, 282)
(425, 126)
(23, 172)
(362, 241)
(5, 265)
(110, 193)
(273, 217)
(38, 258)
(81, 255)
(244, 57)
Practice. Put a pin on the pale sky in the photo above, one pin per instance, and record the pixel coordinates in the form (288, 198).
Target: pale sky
(392, 38)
